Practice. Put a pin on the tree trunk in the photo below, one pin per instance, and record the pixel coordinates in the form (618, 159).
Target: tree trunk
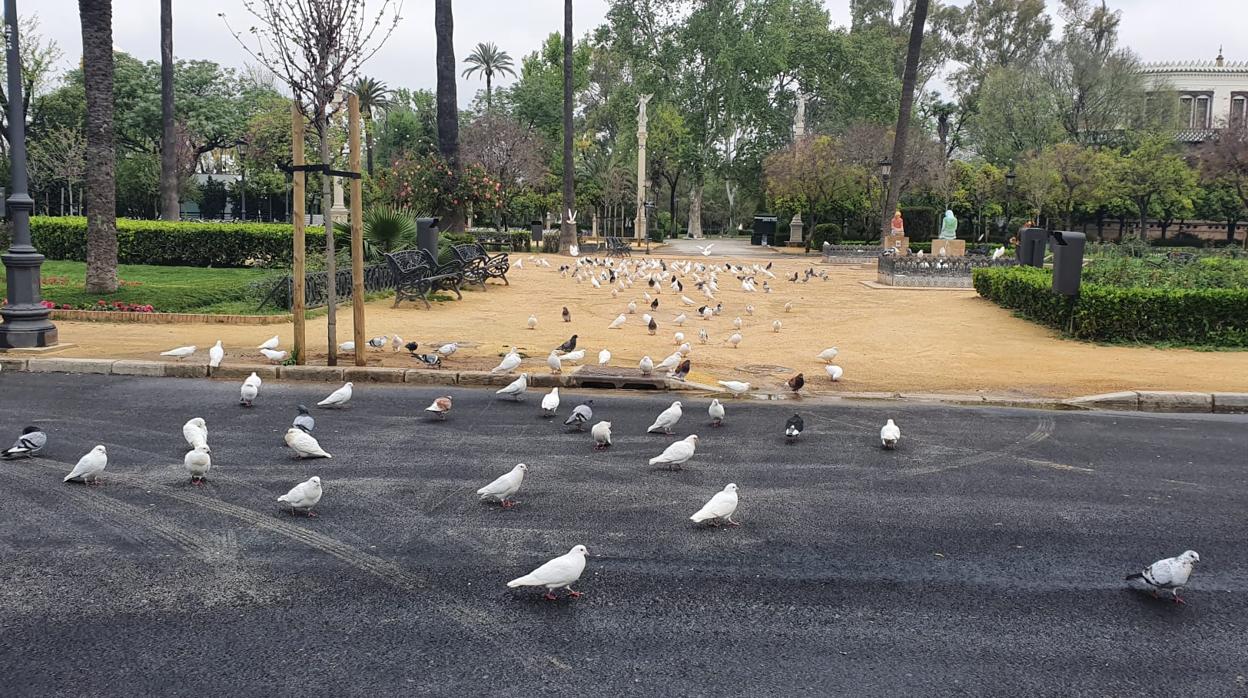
(567, 231)
(908, 79)
(368, 143)
(695, 211)
(1142, 233)
(671, 204)
(331, 261)
(168, 149)
(101, 180)
(448, 107)
(489, 95)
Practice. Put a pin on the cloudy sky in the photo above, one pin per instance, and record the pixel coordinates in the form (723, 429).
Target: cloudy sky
(1156, 29)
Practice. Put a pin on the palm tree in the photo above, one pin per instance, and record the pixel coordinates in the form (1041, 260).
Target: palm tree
(567, 232)
(374, 98)
(168, 150)
(448, 102)
(488, 60)
(101, 177)
(908, 78)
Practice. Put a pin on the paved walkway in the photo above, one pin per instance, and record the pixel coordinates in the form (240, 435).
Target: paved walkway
(719, 247)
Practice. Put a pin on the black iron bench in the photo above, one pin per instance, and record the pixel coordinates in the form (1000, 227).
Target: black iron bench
(417, 274)
(618, 247)
(479, 265)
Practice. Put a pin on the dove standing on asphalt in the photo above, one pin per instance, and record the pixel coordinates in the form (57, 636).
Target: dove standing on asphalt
(195, 431)
(720, 507)
(339, 397)
(274, 355)
(602, 436)
(303, 496)
(254, 379)
(248, 392)
(827, 355)
(180, 352)
(834, 372)
(509, 363)
(89, 466)
(666, 419)
(550, 403)
(716, 410)
(1170, 574)
(793, 427)
(890, 434)
(270, 343)
(440, 406)
(197, 463)
(554, 362)
(581, 414)
(216, 354)
(646, 365)
(516, 388)
(677, 454)
(604, 357)
(304, 444)
(303, 420)
(737, 388)
(28, 445)
(507, 484)
(559, 573)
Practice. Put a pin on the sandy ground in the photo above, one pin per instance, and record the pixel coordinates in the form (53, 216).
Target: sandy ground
(890, 340)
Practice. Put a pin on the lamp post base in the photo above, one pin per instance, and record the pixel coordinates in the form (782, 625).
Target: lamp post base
(24, 324)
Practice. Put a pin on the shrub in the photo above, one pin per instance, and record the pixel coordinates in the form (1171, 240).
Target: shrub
(189, 244)
(829, 232)
(1209, 317)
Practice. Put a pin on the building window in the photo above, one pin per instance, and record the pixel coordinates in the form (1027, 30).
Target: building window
(1239, 110)
(1201, 117)
(1195, 110)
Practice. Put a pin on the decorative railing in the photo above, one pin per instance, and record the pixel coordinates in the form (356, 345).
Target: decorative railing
(930, 270)
(316, 287)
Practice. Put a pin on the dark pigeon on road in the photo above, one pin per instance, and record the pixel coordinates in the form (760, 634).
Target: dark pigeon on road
(28, 445)
(793, 427)
(581, 414)
(304, 421)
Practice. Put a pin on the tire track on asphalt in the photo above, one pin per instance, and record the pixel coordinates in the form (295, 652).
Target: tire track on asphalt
(1044, 429)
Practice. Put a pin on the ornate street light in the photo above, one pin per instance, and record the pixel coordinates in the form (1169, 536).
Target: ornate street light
(650, 207)
(886, 170)
(1009, 190)
(25, 322)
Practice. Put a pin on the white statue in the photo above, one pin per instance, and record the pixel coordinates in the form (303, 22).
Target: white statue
(799, 120)
(642, 101)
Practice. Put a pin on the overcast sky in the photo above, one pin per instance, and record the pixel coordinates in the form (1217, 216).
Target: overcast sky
(1157, 30)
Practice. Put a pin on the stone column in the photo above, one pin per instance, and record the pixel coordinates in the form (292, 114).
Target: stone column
(795, 231)
(639, 222)
(338, 213)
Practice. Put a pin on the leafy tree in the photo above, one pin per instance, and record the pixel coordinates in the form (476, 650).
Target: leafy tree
(1038, 183)
(408, 126)
(1151, 171)
(813, 175)
(1014, 116)
(1082, 176)
(978, 194)
(1217, 200)
(59, 158)
(1225, 160)
(488, 60)
(509, 152)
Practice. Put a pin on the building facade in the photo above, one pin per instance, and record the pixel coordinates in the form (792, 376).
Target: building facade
(1211, 94)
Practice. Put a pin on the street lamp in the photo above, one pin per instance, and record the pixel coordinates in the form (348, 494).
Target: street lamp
(25, 323)
(1009, 190)
(650, 206)
(242, 168)
(886, 170)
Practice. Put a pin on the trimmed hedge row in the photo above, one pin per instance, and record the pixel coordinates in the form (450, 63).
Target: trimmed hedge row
(1204, 317)
(190, 244)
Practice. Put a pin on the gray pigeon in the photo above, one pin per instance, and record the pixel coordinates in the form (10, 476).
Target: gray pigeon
(304, 421)
(581, 414)
(28, 445)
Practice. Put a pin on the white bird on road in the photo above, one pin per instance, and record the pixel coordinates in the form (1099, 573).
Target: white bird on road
(505, 485)
(737, 388)
(666, 419)
(1170, 574)
(195, 431)
(215, 355)
(180, 352)
(270, 343)
(275, 356)
(198, 462)
(339, 397)
(890, 434)
(516, 388)
(304, 444)
(602, 436)
(89, 466)
(721, 506)
(828, 354)
(509, 363)
(249, 390)
(716, 410)
(550, 403)
(678, 453)
(304, 496)
(559, 573)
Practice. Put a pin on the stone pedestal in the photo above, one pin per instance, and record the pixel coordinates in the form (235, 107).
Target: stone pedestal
(338, 213)
(952, 248)
(901, 242)
(795, 231)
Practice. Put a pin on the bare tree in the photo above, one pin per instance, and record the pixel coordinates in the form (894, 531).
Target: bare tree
(39, 58)
(509, 151)
(316, 47)
(60, 156)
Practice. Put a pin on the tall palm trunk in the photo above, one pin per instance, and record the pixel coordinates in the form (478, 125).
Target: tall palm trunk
(168, 150)
(448, 104)
(101, 180)
(368, 141)
(567, 231)
(489, 92)
(908, 79)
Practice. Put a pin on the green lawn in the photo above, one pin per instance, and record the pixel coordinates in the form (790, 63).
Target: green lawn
(167, 289)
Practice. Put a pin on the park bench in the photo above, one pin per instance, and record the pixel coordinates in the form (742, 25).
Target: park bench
(479, 265)
(618, 247)
(417, 274)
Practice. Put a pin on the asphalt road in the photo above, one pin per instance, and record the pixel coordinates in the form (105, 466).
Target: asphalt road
(985, 556)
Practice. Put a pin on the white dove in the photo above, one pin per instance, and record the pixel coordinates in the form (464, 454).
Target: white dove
(834, 372)
(271, 343)
(515, 388)
(737, 388)
(275, 356)
(666, 419)
(505, 485)
(197, 463)
(716, 410)
(396, 343)
(573, 356)
(788, 307)
(749, 309)
(180, 352)
(678, 453)
(827, 354)
(248, 392)
(678, 338)
(1170, 574)
(346, 347)
(215, 355)
(680, 320)
(706, 251)
(604, 357)
(775, 326)
(632, 307)
(303, 496)
(304, 444)
(532, 322)
(195, 431)
(721, 506)
(602, 436)
(736, 322)
(550, 403)
(671, 362)
(509, 363)
(646, 365)
(554, 362)
(998, 253)
(890, 434)
(687, 300)
(618, 322)
(447, 349)
(735, 339)
(559, 573)
(339, 397)
(89, 466)
(703, 337)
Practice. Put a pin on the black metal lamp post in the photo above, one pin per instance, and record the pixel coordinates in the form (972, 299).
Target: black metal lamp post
(1009, 190)
(242, 168)
(650, 210)
(886, 170)
(25, 323)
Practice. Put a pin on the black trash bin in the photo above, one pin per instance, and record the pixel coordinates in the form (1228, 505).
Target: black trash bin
(1067, 249)
(764, 230)
(1031, 246)
(535, 231)
(427, 235)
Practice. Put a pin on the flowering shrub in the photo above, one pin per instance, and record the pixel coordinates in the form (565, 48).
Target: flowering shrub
(113, 306)
(427, 183)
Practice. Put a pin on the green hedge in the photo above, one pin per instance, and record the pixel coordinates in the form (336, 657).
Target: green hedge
(1203, 317)
(189, 244)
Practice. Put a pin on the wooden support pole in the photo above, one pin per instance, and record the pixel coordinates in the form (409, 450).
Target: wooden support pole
(357, 232)
(299, 198)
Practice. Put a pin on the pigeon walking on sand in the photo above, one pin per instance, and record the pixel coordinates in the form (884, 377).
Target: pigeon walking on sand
(737, 388)
(796, 382)
(834, 372)
(581, 414)
(509, 363)
(827, 355)
(532, 323)
(181, 352)
(721, 507)
(1170, 574)
(89, 467)
(559, 573)
(666, 419)
(303, 496)
(567, 346)
(890, 434)
(440, 406)
(304, 444)
(602, 436)
(677, 454)
(567, 316)
(505, 485)
(339, 397)
(28, 445)
(271, 343)
(274, 355)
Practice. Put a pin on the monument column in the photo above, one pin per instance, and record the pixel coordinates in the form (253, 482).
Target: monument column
(639, 221)
(338, 212)
(799, 132)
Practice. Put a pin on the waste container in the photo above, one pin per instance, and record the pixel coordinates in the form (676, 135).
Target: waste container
(535, 231)
(1067, 249)
(427, 235)
(764, 230)
(1031, 246)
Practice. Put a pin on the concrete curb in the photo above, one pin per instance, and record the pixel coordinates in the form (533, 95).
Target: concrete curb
(1128, 400)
